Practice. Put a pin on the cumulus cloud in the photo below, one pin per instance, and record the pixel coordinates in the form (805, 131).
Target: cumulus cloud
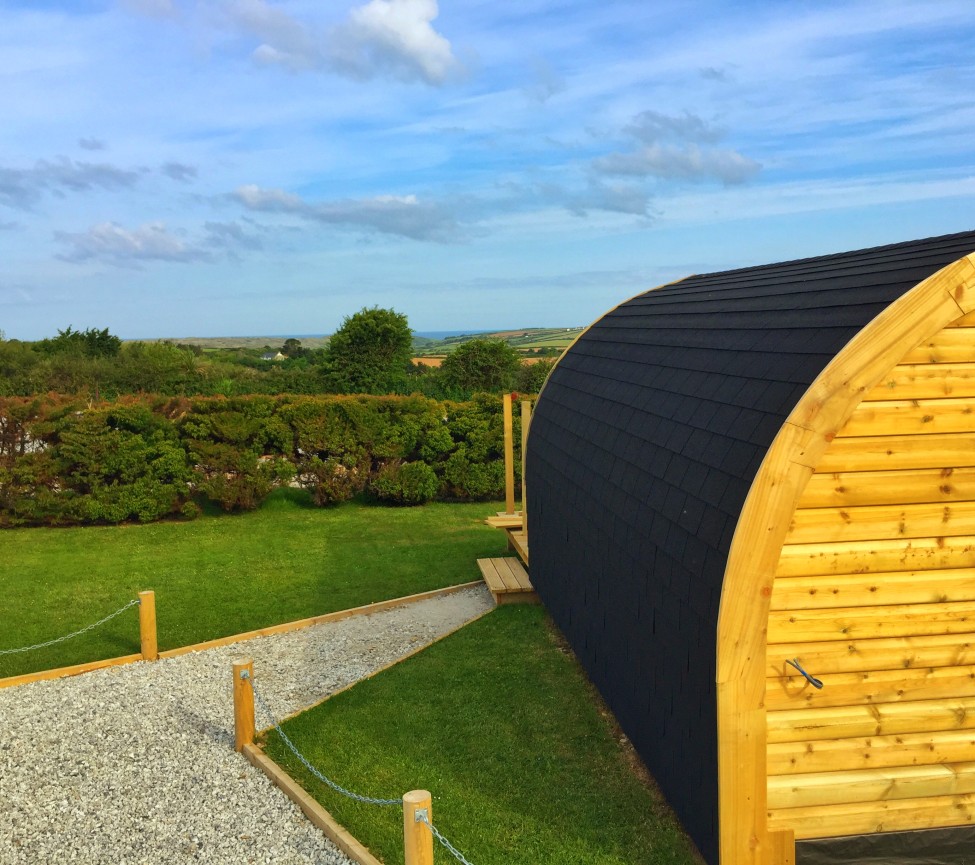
(179, 172)
(394, 37)
(111, 243)
(22, 187)
(405, 216)
(676, 147)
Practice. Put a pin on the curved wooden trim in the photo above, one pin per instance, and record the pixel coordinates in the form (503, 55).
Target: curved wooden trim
(761, 530)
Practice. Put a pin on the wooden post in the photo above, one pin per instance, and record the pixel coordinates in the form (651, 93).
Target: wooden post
(509, 458)
(243, 703)
(147, 626)
(417, 837)
(526, 416)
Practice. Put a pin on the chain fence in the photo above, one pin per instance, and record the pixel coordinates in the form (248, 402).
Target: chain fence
(450, 848)
(85, 630)
(421, 816)
(368, 800)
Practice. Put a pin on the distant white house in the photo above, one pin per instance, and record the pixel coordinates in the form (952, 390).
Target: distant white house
(274, 355)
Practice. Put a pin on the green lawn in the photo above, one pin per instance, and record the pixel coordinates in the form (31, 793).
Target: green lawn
(225, 574)
(500, 725)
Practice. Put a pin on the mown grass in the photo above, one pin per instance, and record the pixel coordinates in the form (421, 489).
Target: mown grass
(225, 574)
(501, 726)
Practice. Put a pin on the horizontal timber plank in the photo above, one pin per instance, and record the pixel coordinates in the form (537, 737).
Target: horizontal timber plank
(885, 719)
(862, 557)
(967, 320)
(921, 417)
(859, 656)
(871, 752)
(865, 623)
(870, 785)
(866, 590)
(869, 817)
(925, 381)
(871, 453)
(950, 345)
(911, 486)
(871, 522)
(870, 688)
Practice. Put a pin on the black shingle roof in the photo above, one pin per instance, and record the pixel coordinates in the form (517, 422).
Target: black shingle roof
(642, 449)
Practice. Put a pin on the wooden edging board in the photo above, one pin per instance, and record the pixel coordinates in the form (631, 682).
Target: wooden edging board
(333, 830)
(338, 615)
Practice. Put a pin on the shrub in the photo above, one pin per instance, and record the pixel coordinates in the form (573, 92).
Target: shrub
(405, 483)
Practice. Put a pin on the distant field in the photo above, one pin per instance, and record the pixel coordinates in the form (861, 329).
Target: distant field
(228, 342)
(523, 338)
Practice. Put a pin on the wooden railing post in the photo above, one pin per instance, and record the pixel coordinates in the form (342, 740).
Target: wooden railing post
(243, 703)
(417, 837)
(147, 626)
(526, 416)
(509, 458)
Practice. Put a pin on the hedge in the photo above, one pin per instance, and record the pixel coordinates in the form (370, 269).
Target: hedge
(64, 461)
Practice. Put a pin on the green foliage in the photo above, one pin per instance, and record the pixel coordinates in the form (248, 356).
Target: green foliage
(90, 343)
(531, 376)
(68, 461)
(401, 483)
(488, 365)
(370, 352)
(104, 465)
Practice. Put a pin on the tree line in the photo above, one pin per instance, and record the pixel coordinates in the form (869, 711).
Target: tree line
(68, 461)
(370, 353)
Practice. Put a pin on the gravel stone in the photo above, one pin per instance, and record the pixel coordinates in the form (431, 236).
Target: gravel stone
(134, 765)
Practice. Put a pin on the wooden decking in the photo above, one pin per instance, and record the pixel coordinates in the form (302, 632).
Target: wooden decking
(507, 580)
(518, 542)
(506, 521)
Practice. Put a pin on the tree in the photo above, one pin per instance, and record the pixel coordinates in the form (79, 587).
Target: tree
(487, 365)
(292, 348)
(90, 343)
(370, 352)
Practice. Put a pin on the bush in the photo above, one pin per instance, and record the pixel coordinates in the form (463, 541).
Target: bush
(405, 483)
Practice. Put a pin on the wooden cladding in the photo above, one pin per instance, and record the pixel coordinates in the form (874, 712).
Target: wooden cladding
(875, 595)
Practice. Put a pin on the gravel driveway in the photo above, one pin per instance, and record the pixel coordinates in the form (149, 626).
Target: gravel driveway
(134, 765)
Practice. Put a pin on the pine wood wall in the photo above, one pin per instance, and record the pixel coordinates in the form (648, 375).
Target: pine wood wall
(875, 595)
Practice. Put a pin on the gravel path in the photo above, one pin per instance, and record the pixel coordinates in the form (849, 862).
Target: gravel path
(134, 765)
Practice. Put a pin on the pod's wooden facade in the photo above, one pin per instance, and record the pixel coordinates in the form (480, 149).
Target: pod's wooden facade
(778, 463)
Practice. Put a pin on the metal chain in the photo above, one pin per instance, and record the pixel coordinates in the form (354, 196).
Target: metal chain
(422, 818)
(75, 634)
(291, 746)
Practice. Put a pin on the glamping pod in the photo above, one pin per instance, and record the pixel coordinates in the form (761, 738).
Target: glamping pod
(742, 471)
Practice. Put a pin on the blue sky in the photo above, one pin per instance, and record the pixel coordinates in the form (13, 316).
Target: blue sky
(234, 167)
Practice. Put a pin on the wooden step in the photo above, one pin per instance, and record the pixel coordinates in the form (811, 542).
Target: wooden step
(508, 580)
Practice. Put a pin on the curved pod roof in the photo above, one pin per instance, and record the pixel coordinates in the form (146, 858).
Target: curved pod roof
(667, 452)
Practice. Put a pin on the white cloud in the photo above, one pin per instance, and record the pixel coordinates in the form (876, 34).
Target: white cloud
(111, 243)
(680, 163)
(402, 215)
(22, 187)
(91, 144)
(672, 151)
(394, 37)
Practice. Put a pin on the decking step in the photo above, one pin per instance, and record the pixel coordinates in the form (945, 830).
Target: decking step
(508, 580)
